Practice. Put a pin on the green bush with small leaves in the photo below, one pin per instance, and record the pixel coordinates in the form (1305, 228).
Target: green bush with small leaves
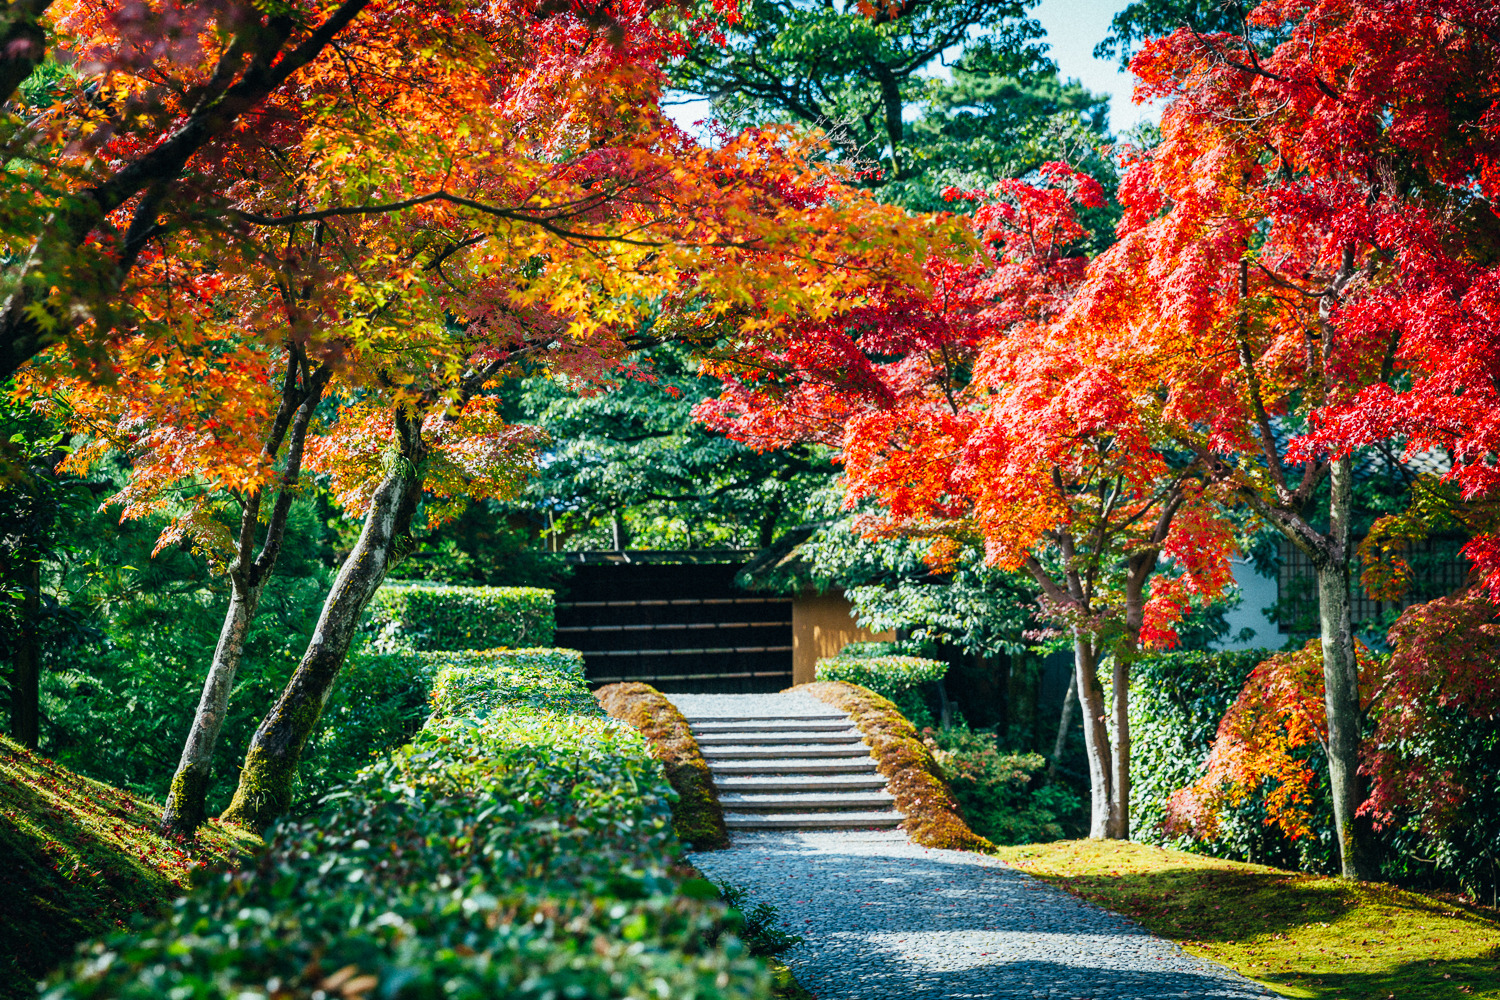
(479, 682)
(898, 678)
(1004, 794)
(520, 845)
(422, 618)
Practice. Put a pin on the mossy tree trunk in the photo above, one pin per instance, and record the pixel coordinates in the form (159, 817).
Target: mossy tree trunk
(1329, 553)
(1341, 681)
(302, 390)
(1095, 733)
(265, 786)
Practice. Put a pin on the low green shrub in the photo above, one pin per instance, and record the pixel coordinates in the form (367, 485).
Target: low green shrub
(413, 617)
(1003, 793)
(896, 677)
(479, 682)
(758, 928)
(520, 846)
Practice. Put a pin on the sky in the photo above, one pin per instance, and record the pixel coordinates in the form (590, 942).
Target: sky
(1073, 28)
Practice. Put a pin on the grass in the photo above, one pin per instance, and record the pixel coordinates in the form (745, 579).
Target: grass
(1303, 935)
(912, 775)
(697, 817)
(82, 858)
(784, 985)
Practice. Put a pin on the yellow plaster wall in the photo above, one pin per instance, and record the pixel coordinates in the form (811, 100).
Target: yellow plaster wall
(821, 625)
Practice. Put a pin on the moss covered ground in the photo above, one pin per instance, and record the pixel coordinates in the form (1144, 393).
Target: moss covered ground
(81, 858)
(912, 776)
(1302, 935)
(697, 817)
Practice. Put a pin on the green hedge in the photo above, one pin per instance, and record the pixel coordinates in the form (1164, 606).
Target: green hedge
(410, 617)
(480, 682)
(897, 678)
(519, 846)
(1176, 703)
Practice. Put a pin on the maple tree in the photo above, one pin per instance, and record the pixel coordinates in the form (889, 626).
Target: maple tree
(969, 414)
(1414, 701)
(1305, 241)
(411, 266)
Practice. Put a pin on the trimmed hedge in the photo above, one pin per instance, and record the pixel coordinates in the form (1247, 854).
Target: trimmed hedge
(895, 677)
(421, 618)
(912, 776)
(520, 846)
(479, 682)
(696, 815)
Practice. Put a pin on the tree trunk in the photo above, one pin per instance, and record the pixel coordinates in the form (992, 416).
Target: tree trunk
(1064, 723)
(1095, 734)
(187, 798)
(26, 674)
(1119, 804)
(265, 787)
(1341, 683)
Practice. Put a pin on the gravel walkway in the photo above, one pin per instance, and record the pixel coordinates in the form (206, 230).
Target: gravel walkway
(885, 918)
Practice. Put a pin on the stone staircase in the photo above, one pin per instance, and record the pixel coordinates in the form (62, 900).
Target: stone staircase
(793, 772)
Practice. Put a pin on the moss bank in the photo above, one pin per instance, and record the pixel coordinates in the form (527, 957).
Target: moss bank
(81, 858)
(912, 776)
(697, 817)
(1302, 935)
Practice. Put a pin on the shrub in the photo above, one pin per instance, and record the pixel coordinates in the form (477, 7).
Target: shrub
(1003, 794)
(411, 617)
(911, 774)
(897, 678)
(758, 923)
(380, 702)
(696, 816)
(519, 846)
(478, 682)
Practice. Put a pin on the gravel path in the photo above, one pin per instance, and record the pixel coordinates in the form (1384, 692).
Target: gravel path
(885, 918)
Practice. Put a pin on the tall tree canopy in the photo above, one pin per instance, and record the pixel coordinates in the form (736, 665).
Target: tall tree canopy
(872, 80)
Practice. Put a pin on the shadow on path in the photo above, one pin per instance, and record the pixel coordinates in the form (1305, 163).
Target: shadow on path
(884, 918)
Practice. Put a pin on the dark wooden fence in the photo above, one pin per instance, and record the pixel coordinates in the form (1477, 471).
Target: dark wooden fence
(681, 628)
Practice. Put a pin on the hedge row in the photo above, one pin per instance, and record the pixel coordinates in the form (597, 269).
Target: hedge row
(519, 846)
(895, 677)
(416, 617)
(696, 815)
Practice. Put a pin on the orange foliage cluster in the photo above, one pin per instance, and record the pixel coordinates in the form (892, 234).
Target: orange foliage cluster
(1441, 668)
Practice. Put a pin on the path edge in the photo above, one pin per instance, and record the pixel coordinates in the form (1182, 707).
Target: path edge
(912, 774)
(697, 816)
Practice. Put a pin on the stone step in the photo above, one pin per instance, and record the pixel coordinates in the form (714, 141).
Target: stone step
(770, 784)
(792, 765)
(774, 739)
(812, 821)
(831, 717)
(803, 750)
(784, 726)
(808, 802)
